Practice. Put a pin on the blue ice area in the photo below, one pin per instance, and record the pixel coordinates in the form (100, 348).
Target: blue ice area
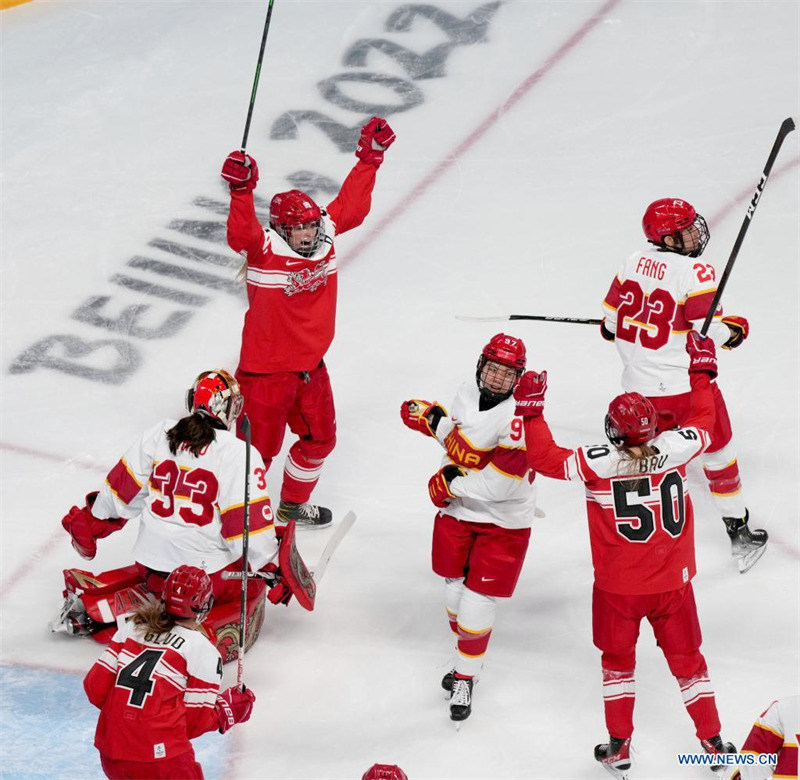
(47, 722)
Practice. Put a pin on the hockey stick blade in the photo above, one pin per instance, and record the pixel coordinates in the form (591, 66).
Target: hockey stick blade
(342, 528)
(535, 317)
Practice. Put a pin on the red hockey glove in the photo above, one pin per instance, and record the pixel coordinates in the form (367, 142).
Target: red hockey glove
(740, 330)
(85, 529)
(234, 706)
(240, 171)
(702, 355)
(529, 394)
(422, 416)
(279, 591)
(376, 137)
(439, 484)
(606, 333)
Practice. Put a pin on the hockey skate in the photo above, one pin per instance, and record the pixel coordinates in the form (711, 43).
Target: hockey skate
(461, 698)
(714, 747)
(73, 619)
(305, 515)
(449, 679)
(747, 545)
(615, 757)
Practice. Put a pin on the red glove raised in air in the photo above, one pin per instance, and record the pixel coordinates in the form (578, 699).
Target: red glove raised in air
(439, 484)
(376, 138)
(739, 328)
(422, 416)
(234, 705)
(85, 529)
(240, 171)
(702, 355)
(529, 394)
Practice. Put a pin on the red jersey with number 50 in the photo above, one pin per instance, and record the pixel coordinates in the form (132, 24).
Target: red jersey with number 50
(191, 508)
(155, 692)
(641, 523)
(655, 299)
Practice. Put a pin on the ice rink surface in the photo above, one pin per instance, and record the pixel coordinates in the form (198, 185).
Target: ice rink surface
(530, 138)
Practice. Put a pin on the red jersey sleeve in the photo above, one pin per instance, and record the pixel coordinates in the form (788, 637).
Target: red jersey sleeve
(544, 455)
(702, 414)
(351, 206)
(245, 232)
(102, 676)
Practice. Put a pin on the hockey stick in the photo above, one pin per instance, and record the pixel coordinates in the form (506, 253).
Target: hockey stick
(257, 76)
(538, 317)
(245, 546)
(787, 126)
(317, 571)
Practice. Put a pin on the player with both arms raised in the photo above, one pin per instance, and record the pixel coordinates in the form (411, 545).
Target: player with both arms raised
(656, 297)
(291, 275)
(157, 685)
(486, 500)
(641, 528)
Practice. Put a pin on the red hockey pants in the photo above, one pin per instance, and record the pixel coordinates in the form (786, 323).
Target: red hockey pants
(183, 767)
(304, 402)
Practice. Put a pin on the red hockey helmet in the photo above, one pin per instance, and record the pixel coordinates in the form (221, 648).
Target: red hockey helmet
(496, 385)
(216, 394)
(631, 420)
(188, 593)
(384, 772)
(293, 209)
(670, 217)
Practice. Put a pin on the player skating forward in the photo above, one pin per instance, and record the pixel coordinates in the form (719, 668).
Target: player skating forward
(157, 685)
(657, 297)
(487, 504)
(291, 273)
(641, 527)
(184, 481)
(777, 731)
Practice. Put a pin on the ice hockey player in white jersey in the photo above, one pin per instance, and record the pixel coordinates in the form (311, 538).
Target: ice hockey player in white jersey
(657, 296)
(776, 732)
(486, 503)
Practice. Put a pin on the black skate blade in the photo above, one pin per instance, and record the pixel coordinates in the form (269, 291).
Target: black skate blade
(750, 559)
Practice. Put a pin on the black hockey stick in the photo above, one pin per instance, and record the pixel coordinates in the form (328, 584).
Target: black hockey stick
(538, 317)
(258, 75)
(787, 126)
(245, 545)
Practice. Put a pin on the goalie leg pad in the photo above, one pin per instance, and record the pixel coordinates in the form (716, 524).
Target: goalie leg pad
(294, 570)
(222, 622)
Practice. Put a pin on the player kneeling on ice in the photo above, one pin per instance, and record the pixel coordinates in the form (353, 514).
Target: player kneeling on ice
(185, 481)
(641, 527)
(486, 502)
(157, 685)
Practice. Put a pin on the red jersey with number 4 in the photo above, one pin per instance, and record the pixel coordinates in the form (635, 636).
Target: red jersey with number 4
(641, 523)
(190, 507)
(292, 315)
(654, 300)
(155, 692)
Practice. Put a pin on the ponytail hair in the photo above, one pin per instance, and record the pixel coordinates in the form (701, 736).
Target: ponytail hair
(152, 616)
(631, 462)
(193, 433)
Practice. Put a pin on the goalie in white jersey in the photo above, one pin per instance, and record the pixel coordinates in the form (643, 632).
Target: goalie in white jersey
(654, 300)
(486, 499)
(184, 480)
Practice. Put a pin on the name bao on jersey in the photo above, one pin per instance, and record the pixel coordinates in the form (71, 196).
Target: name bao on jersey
(160, 296)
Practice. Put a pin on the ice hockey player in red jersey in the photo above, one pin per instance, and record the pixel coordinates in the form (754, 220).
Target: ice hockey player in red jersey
(184, 481)
(775, 732)
(157, 685)
(641, 528)
(486, 503)
(658, 296)
(291, 273)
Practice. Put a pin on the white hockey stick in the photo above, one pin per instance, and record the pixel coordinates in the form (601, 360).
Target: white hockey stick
(330, 548)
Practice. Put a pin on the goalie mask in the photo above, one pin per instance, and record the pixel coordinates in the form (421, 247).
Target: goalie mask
(677, 220)
(631, 420)
(216, 394)
(188, 593)
(295, 217)
(500, 366)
